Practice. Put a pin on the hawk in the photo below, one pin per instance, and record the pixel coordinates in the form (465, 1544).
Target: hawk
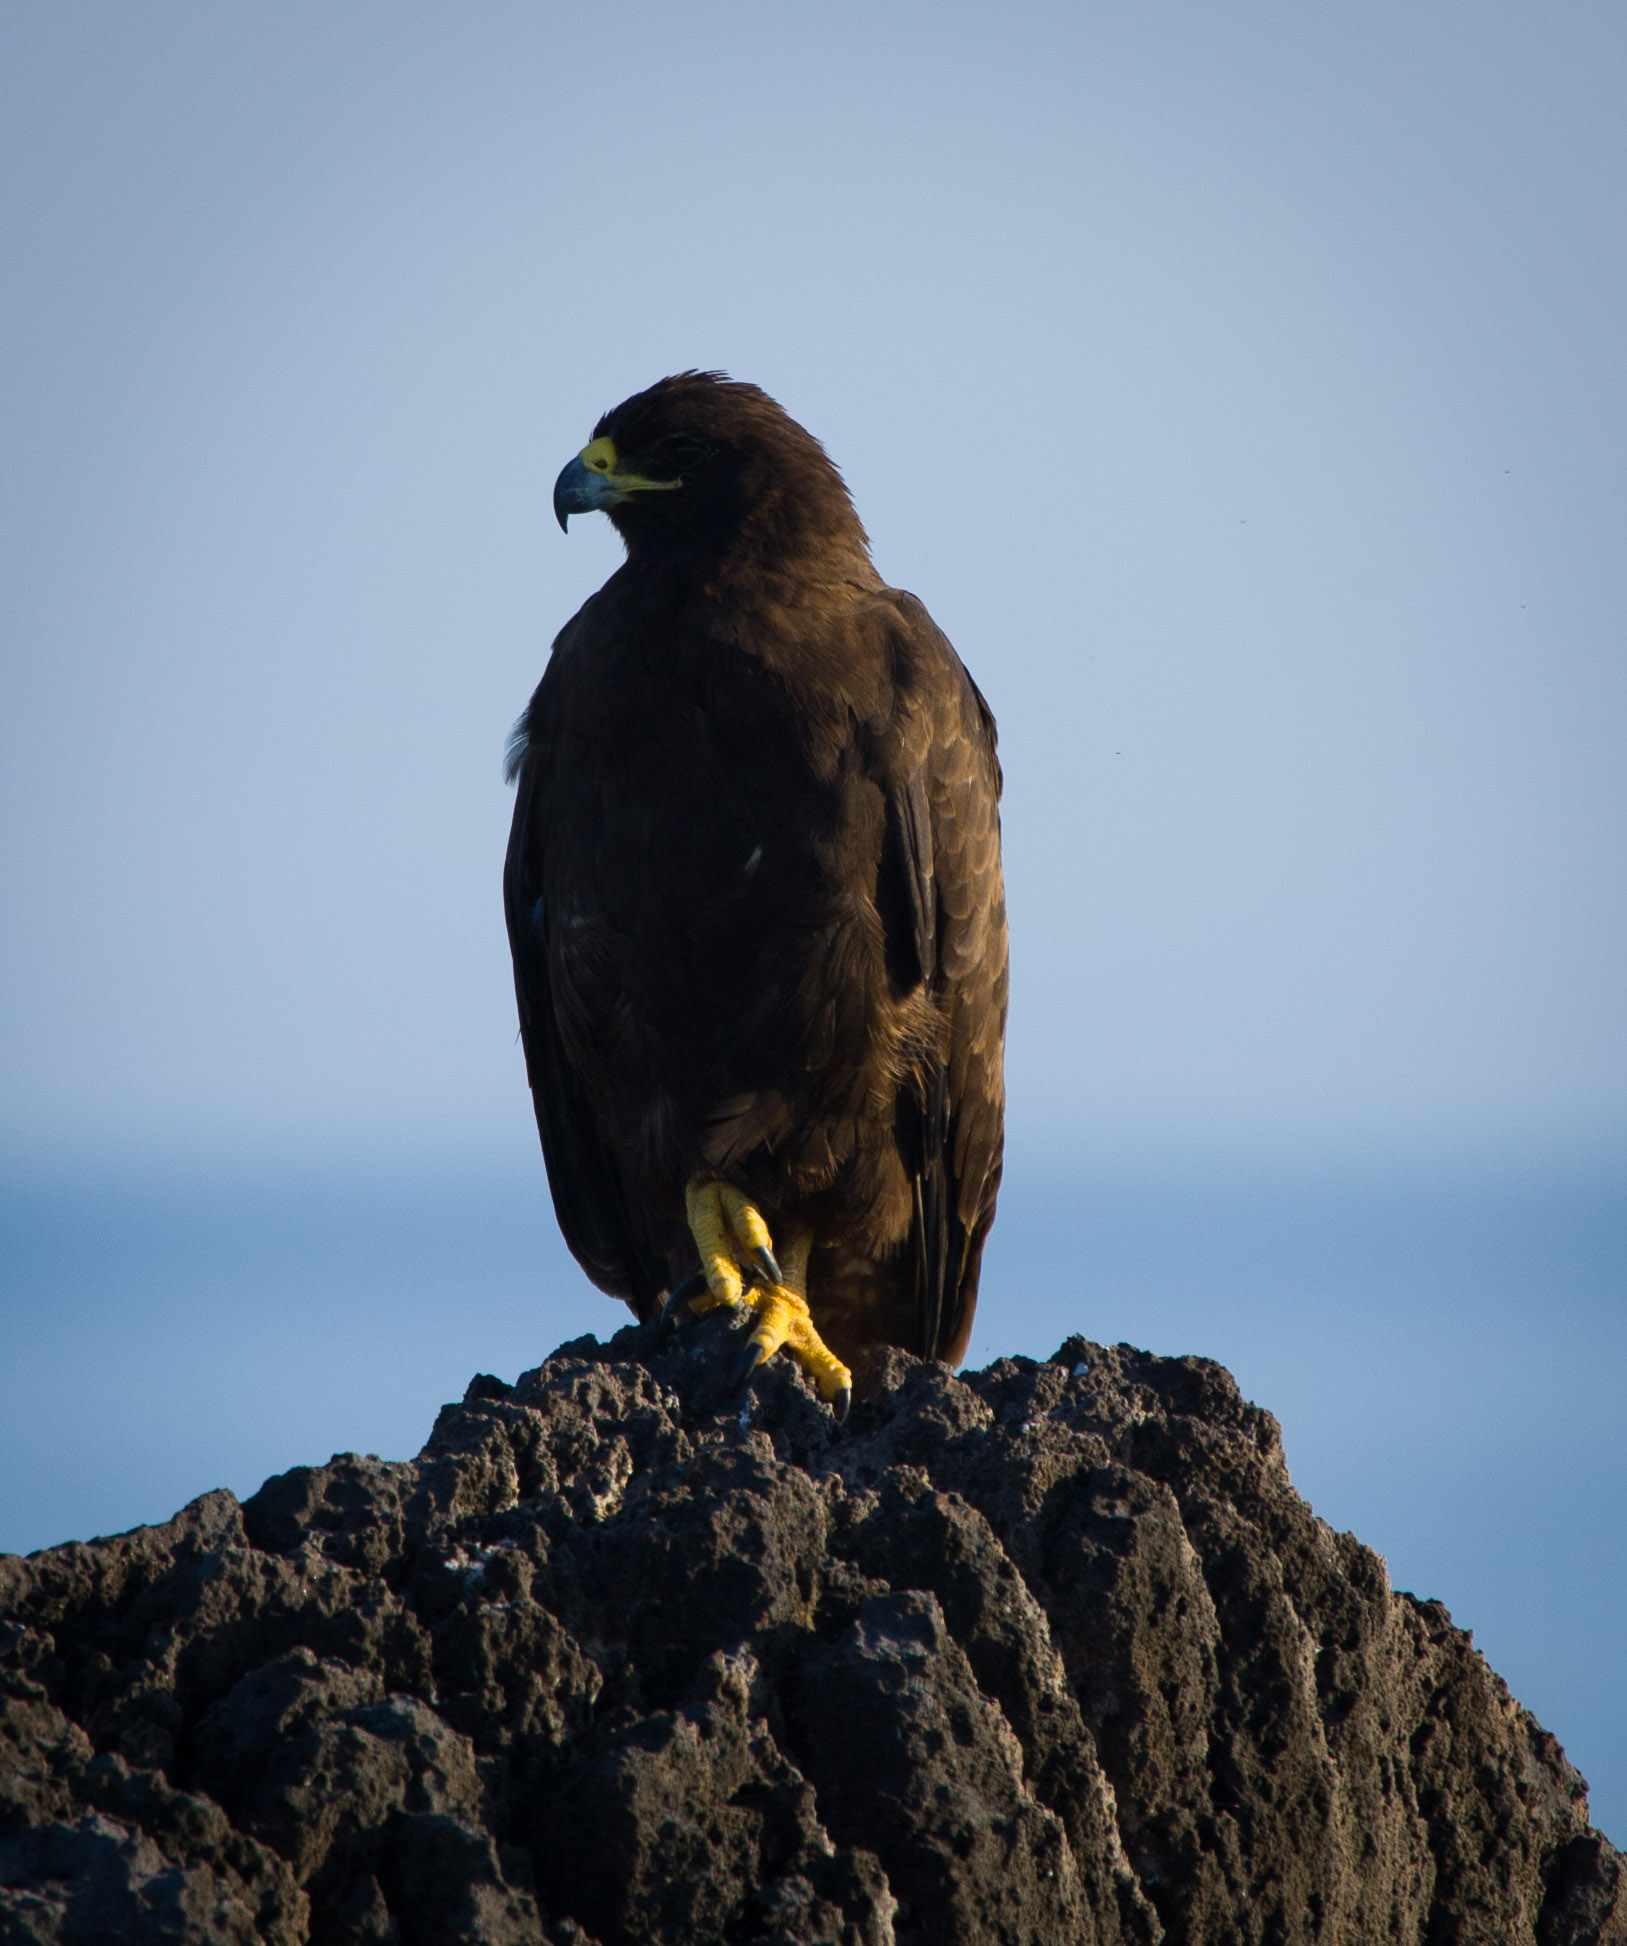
(754, 898)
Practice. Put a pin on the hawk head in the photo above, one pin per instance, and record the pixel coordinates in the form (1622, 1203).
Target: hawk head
(701, 464)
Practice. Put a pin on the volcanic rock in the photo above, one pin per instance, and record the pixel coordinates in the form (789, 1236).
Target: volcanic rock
(1050, 1652)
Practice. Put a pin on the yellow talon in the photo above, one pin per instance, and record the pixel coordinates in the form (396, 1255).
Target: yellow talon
(727, 1226)
(783, 1318)
(745, 1219)
(709, 1226)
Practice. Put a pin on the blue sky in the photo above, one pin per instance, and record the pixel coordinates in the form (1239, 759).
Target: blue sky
(1241, 387)
(1244, 391)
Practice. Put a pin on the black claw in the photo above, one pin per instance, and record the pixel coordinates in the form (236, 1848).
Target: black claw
(677, 1303)
(766, 1264)
(840, 1403)
(738, 1366)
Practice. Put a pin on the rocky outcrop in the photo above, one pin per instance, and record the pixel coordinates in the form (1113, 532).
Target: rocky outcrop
(1047, 1652)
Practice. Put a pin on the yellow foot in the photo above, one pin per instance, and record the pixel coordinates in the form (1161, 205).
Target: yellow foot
(739, 1265)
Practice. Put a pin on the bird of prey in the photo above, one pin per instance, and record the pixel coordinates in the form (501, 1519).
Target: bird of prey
(754, 899)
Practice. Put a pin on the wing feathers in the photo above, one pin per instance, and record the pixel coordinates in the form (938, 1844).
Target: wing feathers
(957, 903)
(589, 1195)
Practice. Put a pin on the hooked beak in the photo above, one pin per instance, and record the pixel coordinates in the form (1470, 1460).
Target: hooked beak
(594, 481)
(579, 490)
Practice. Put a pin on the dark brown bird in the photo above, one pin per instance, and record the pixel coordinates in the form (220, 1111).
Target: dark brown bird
(754, 899)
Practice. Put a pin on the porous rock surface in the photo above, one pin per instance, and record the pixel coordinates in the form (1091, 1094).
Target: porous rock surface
(1043, 1653)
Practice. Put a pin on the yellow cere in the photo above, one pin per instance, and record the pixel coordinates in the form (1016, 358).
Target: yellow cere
(599, 456)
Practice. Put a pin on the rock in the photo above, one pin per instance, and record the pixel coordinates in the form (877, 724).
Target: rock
(1044, 1653)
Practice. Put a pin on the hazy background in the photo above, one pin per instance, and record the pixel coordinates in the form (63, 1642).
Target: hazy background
(1245, 390)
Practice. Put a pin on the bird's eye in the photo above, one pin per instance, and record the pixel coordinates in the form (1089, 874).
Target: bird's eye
(686, 447)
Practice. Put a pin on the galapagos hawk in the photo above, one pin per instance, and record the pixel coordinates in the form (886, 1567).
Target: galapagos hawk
(754, 899)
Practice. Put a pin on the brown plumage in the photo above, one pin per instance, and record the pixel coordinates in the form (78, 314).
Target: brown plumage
(753, 885)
